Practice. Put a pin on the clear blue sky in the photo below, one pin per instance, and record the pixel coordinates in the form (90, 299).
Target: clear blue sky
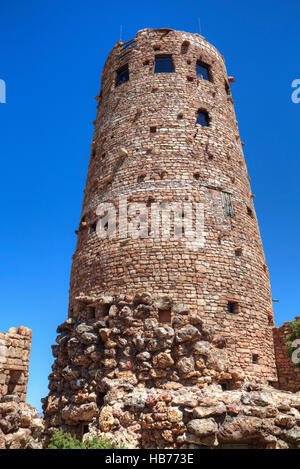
(52, 54)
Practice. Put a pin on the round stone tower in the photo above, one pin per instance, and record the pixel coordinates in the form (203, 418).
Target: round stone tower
(166, 133)
(170, 300)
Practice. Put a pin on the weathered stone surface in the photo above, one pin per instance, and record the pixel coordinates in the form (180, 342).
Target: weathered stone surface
(203, 427)
(187, 334)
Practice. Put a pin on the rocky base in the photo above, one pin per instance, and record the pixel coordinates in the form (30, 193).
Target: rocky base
(20, 427)
(121, 372)
(256, 417)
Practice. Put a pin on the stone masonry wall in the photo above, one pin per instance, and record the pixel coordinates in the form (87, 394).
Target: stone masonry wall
(147, 148)
(150, 354)
(288, 375)
(120, 373)
(14, 361)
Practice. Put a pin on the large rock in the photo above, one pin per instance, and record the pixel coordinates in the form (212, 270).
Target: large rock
(202, 427)
(187, 333)
(82, 413)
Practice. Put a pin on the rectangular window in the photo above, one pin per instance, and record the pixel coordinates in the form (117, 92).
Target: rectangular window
(203, 70)
(202, 118)
(227, 205)
(122, 75)
(255, 359)
(164, 317)
(232, 308)
(163, 64)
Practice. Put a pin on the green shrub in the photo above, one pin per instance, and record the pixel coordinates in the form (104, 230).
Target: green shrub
(295, 334)
(64, 440)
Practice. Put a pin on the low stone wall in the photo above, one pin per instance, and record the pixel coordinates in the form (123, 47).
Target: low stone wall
(14, 361)
(256, 417)
(288, 374)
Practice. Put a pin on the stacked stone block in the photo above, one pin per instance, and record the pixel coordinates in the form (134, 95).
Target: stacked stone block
(14, 361)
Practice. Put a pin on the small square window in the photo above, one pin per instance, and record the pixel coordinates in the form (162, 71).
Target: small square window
(122, 75)
(164, 316)
(164, 64)
(232, 308)
(203, 70)
(255, 359)
(202, 118)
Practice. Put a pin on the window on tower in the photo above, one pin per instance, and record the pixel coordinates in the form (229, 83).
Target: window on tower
(163, 64)
(202, 118)
(203, 70)
(122, 75)
(232, 307)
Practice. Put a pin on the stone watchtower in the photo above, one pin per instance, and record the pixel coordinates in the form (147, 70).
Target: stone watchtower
(151, 308)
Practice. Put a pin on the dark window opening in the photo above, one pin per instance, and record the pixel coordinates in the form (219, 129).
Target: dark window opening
(122, 75)
(152, 130)
(255, 358)
(164, 64)
(250, 212)
(225, 385)
(185, 47)
(164, 316)
(141, 178)
(232, 308)
(93, 228)
(100, 399)
(105, 309)
(85, 428)
(189, 78)
(197, 176)
(238, 252)
(202, 118)
(227, 204)
(203, 70)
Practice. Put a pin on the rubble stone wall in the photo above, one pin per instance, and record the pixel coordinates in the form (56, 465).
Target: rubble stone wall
(121, 373)
(288, 374)
(14, 361)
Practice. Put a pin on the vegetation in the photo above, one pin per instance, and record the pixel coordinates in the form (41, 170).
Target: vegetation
(64, 440)
(294, 335)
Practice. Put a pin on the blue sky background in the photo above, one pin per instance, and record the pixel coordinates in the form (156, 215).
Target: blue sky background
(52, 54)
